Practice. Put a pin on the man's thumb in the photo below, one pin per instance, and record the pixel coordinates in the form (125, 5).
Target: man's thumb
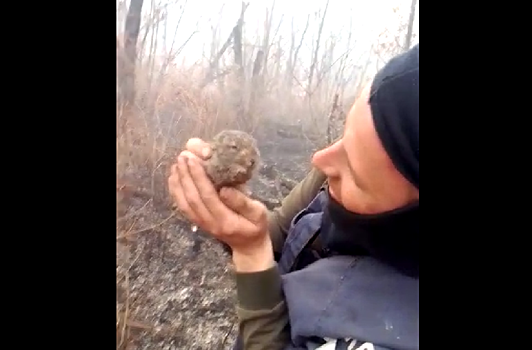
(199, 147)
(241, 204)
(234, 199)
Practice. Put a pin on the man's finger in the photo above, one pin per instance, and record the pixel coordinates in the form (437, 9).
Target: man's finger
(206, 190)
(191, 194)
(199, 147)
(240, 203)
(173, 169)
(176, 191)
(173, 182)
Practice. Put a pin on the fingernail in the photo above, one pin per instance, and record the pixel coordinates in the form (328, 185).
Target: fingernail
(205, 152)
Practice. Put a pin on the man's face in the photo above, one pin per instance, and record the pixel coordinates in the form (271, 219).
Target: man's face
(360, 173)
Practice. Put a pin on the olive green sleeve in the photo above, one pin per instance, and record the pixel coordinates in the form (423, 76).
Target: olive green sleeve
(261, 310)
(300, 196)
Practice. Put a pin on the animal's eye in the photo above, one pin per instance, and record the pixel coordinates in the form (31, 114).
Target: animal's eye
(252, 162)
(233, 147)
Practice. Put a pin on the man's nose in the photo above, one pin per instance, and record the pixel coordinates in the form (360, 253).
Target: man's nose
(326, 160)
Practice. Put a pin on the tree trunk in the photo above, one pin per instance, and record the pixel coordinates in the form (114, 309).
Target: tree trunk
(408, 39)
(129, 57)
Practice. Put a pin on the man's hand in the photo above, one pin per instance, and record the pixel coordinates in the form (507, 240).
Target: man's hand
(230, 216)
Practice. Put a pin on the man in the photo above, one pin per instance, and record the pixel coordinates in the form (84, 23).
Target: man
(360, 291)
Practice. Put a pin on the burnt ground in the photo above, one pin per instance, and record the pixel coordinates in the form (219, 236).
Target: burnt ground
(175, 285)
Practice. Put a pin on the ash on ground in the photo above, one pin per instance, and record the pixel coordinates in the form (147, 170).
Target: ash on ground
(174, 286)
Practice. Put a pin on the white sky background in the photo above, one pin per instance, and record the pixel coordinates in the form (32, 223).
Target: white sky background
(368, 18)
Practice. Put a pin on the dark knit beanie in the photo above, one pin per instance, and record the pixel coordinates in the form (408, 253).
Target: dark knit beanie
(394, 102)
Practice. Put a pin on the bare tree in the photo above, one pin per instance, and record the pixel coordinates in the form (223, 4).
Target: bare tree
(257, 63)
(316, 49)
(396, 38)
(293, 54)
(408, 36)
(237, 44)
(129, 58)
(230, 39)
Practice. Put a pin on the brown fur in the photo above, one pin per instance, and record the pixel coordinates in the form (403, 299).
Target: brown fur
(234, 159)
